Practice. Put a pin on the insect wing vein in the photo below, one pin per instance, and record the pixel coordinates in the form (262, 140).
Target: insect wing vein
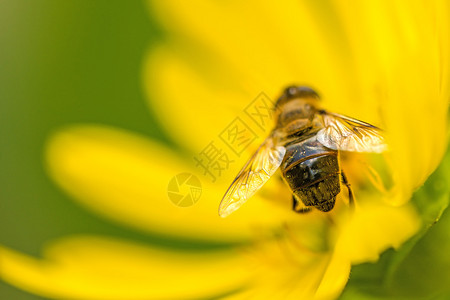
(253, 176)
(347, 134)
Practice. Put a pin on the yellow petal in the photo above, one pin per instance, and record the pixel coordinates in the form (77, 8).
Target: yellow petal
(125, 177)
(266, 45)
(198, 85)
(373, 228)
(335, 277)
(391, 69)
(193, 111)
(291, 272)
(88, 267)
(401, 52)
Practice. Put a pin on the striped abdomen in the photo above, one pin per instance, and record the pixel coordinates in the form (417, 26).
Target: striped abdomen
(312, 172)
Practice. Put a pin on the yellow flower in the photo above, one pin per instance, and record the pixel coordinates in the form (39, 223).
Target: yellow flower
(382, 62)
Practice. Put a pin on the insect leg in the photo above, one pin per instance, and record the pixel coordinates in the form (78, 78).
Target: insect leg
(301, 210)
(304, 210)
(350, 192)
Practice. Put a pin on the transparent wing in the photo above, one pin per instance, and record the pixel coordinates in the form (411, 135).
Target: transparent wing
(261, 166)
(347, 134)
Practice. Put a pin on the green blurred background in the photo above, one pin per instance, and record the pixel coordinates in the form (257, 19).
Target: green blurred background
(63, 62)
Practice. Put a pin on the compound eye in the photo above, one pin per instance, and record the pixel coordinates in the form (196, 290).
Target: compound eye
(291, 92)
(299, 92)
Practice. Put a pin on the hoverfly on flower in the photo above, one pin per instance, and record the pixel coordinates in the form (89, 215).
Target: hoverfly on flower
(304, 144)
